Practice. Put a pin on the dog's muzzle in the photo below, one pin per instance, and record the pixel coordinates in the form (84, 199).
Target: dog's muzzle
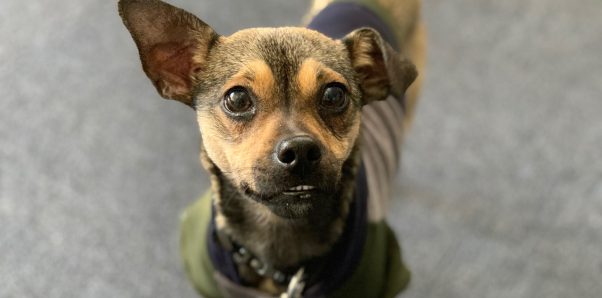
(297, 182)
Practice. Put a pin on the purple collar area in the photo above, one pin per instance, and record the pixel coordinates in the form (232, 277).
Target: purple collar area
(333, 269)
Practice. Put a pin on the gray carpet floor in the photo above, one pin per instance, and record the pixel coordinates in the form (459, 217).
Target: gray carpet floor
(501, 187)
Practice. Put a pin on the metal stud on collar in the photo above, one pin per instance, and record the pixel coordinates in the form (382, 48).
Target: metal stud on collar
(243, 256)
(279, 277)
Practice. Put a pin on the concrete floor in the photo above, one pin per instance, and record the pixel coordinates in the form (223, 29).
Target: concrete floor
(501, 190)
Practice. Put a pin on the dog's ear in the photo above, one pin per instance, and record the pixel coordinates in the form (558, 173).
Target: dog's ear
(173, 45)
(381, 70)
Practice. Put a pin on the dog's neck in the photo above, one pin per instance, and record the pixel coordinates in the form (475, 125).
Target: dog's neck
(282, 243)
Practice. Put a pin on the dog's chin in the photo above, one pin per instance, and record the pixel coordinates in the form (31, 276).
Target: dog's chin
(294, 205)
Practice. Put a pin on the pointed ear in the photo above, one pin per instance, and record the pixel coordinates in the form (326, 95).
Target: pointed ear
(173, 45)
(381, 71)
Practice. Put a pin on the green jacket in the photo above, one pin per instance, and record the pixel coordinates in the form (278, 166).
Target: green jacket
(380, 273)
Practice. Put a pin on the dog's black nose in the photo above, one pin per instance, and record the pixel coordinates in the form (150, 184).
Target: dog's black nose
(298, 152)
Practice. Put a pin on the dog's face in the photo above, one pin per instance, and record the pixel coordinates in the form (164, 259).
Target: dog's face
(278, 109)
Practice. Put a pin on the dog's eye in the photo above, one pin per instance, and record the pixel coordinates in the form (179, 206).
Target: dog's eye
(334, 98)
(238, 101)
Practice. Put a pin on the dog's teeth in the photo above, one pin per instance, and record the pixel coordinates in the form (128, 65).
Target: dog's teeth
(301, 187)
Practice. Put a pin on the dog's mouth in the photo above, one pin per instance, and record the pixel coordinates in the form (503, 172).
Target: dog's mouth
(294, 202)
(301, 191)
(283, 195)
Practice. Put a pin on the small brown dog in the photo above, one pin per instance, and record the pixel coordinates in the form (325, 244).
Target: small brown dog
(299, 181)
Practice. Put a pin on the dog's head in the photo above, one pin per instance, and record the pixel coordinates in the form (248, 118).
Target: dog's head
(278, 109)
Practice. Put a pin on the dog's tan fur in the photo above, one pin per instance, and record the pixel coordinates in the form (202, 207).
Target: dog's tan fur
(285, 69)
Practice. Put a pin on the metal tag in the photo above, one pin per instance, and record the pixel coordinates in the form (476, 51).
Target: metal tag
(296, 286)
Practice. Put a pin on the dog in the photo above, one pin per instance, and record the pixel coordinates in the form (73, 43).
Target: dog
(300, 135)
